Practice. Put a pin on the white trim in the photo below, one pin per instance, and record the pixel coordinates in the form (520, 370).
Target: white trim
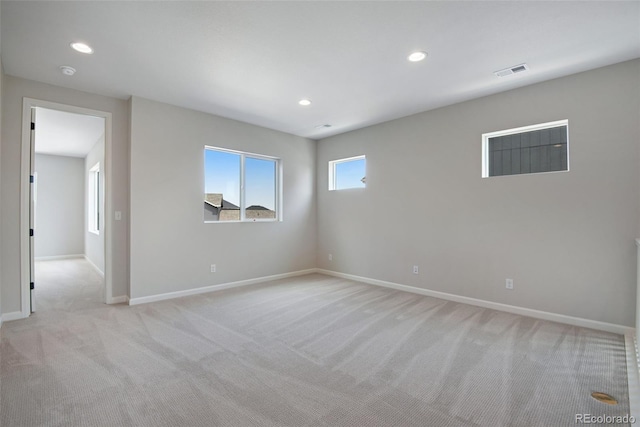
(637, 337)
(58, 257)
(242, 204)
(280, 191)
(213, 288)
(522, 129)
(27, 104)
(538, 314)
(16, 315)
(332, 171)
(95, 267)
(347, 159)
(246, 220)
(24, 210)
(633, 380)
(119, 300)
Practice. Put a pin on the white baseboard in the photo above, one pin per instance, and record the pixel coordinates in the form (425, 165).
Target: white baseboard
(544, 315)
(95, 267)
(118, 300)
(57, 257)
(633, 378)
(15, 315)
(213, 288)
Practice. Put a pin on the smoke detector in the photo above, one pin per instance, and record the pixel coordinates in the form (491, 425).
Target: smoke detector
(67, 71)
(512, 70)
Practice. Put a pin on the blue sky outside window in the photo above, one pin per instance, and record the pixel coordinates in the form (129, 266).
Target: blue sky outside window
(260, 182)
(350, 174)
(222, 174)
(232, 196)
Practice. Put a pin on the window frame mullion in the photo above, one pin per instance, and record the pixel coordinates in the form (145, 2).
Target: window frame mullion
(242, 186)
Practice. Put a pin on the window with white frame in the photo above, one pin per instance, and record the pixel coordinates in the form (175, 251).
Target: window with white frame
(241, 186)
(525, 150)
(93, 205)
(348, 173)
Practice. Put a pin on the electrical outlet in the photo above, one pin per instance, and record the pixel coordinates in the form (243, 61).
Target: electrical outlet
(509, 283)
(416, 270)
(330, 257)
(213, 268)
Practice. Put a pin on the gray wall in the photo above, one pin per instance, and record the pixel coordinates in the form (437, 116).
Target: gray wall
(59, 206)
(1, 119)
(94, 243)
(171, 246)
(14, 91)
(566, 238)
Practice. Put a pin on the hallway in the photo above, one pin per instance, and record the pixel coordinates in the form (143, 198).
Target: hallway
(67, 285)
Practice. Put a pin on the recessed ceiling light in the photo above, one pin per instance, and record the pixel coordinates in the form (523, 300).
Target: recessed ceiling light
(82, 47)
(323, 126)
(304, 102)
(417, 56)
(67, 71)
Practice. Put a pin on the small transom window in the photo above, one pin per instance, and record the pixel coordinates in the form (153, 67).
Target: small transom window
(525, 150)
(348, 173)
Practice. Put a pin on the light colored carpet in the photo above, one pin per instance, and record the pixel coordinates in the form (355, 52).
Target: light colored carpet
(307, 351)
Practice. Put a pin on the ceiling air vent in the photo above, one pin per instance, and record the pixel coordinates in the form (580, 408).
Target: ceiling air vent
(511, 70)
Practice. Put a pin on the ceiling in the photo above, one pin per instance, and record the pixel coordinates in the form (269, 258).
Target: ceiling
(253, 61)
(66, 134)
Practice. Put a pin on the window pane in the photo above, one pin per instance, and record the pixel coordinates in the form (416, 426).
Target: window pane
(94, 199)
(260, 188)
(221, 186)
(543, 150)
(97, 201)
(350, 174)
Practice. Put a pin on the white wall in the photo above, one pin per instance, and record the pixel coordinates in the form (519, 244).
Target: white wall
(171, 247)
(94, 243)
(59, 206)
(567, 239)
(15, 89)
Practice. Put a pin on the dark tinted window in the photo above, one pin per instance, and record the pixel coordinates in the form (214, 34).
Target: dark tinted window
(543, 150)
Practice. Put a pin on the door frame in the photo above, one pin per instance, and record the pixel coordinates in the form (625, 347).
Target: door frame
(25, 257)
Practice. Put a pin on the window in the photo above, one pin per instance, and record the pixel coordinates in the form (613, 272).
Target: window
(348, 173)
(240, 186)
(94, 199)
(530, 149)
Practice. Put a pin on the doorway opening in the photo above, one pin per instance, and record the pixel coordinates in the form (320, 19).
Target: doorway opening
(65, 229)
(68, 208)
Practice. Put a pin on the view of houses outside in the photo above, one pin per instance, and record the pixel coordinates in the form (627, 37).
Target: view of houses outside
(216, 208)
(223, 190)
